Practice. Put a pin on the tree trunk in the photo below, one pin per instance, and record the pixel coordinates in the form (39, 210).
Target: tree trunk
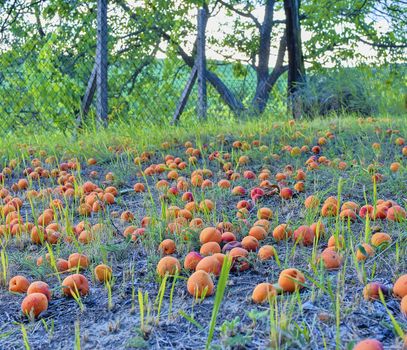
(296, 70)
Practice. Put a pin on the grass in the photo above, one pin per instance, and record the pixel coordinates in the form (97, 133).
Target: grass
(329, 312)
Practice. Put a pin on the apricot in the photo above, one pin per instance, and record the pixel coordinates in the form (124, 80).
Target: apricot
(400, 287)
(167, 247)
(168, 264)
(329, 209)
(304, 235)
(200, 283)
(291, 279)
(228, 237)
(209, 248)
(371, 291)
(369, 344)
(75, 285)
(34, 304)
(364, 251)
(336, 243)
(263, 292)
(286, 193)
(348, 214)
(331, 259)
(403, 305)
(62, 265)
(250, 243)
(263, 223)
(265, 213)
(209, 264)
(39, 287)
(76, 260)
(318, 229)
(396, 213)
(266, 252)
(18, 284)
(191, 260)
(380, 238)
(258, 232)
(239, 256)
(210, 234)
(103, 273)
(282, 232)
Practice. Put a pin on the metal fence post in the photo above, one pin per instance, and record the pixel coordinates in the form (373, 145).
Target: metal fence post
(101, 62)
(201, 64)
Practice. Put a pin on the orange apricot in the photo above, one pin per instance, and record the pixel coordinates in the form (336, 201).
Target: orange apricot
(403, 305)
(286, 193)
(318, 229)
(62, 265)
(210, 248)
(168, 264)
(167, 247)
(210, 234)
(39, 287)
(380, 238)
(34, 304)
(200, 284)
(191, 260)
(18, 284)
(396, 213)
(75, 285)
(265, 213)
(103, 273)
(210, 264)
(282, 232)
(266, 252)
(258, 232)
(76, 260)
(263, 292)
(331, 259)
(291, 279)
(364, 251)
(400, 287)
(369, 344)
(239, 256)
(250, 243)
(304, 235)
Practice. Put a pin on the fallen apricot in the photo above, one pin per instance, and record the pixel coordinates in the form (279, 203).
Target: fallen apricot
(266, 252)
(291, 279)
(400, 287)
(168, 264)
(263, 292)
(39, 287)
(75, 285)
(200, 284)
(369, 344)
(34, 304)
(18, 284)
(103, 273)
(167, 247)
(210, 234)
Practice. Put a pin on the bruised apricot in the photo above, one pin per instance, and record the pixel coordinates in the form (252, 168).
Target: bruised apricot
(168, 264)
(200, 284)
(371, 291)
(18, 284)
(191, 260)
(331, 259)
(400, 287)
(75, 285)
(103, 272)
(263, 292)
(167, 247)
(364, 251)
(34, 304)
(291, 279)
(210, 234)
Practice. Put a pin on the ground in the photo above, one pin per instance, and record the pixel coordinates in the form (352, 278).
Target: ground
(328, 312)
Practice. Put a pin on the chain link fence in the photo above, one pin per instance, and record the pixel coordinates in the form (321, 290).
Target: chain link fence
(45, 79)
